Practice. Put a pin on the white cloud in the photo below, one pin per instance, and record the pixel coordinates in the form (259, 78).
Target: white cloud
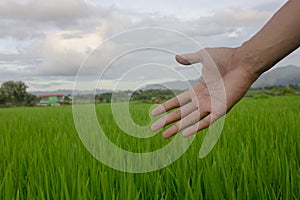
(60, 34)
(238, 16)
(37, 18)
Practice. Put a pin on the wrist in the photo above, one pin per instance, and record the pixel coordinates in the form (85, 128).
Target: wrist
(251, 59)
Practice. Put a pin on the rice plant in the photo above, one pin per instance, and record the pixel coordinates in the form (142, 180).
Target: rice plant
(257, 156)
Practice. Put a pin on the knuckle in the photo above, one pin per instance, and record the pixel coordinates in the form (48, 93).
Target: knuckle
(174, 100)
(177, 113)
(190, 119)
(173, 116)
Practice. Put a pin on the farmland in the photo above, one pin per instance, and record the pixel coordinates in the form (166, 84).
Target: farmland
(257, 156)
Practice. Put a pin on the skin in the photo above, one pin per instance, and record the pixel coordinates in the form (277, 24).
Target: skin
(228, 73)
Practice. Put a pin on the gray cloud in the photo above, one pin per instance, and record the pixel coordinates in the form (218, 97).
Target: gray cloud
(63, 33)
(19, 59)
(227, 26)
(37, 18)
(47, 11)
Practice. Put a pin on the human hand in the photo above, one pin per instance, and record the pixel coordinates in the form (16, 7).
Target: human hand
(223, 83)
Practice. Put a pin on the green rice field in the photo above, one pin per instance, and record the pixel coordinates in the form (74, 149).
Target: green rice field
(257, 156)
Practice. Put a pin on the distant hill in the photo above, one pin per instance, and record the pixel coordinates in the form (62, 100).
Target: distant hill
(179, 85)
(279, 76)
(67, 92)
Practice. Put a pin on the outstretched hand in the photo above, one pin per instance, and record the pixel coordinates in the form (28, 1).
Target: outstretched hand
(223, 83)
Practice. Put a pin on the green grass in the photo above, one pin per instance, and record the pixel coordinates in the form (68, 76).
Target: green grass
(257, 157)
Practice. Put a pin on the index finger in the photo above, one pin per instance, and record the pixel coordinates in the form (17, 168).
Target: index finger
(175, 102)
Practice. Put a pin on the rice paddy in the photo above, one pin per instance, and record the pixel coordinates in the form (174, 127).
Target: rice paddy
(257, 156)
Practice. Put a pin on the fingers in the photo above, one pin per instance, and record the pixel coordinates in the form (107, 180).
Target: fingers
(174, 116)
(175, 102)
(203, 124)
(185, 122)
(188, 59)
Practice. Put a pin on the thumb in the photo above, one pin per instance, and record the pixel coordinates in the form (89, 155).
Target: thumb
(188, 59)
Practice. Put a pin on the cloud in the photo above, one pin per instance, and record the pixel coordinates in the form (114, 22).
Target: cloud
(65, 37)
(48, 11)
(61, 52)
(223, 22)
(37, 18)
(239, 17)
(60, 34)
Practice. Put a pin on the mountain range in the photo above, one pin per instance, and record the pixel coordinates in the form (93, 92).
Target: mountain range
(278, 76)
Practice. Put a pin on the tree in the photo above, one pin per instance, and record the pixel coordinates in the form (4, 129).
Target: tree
(14, 92)
(104, 98)
(2, 98)
(68, 100)
(287, 90)
(31, 100)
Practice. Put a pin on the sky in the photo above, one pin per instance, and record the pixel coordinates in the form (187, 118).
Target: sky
(47, 44)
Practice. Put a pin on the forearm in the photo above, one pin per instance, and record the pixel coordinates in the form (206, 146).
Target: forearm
(278, 38)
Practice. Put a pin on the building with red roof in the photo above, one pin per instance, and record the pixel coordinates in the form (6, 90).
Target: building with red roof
(51, 99)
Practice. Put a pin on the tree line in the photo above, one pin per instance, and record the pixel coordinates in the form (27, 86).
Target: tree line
(145, 96)
(160, 95)
(14, 93)
(276, 90)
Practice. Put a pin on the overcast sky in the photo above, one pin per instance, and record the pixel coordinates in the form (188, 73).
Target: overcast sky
(43, 43)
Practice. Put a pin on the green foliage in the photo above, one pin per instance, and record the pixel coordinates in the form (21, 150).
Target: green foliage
(14, 93)
(67, 100)
(160, 95)
(287, 91)
(257, 156)
(261, 96)
(284, 90)
(154, 95)
(30, 100)
(146, 96)
(104, 98)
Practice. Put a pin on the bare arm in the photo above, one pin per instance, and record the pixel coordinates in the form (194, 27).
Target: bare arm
(238, 68)
(278, 38)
